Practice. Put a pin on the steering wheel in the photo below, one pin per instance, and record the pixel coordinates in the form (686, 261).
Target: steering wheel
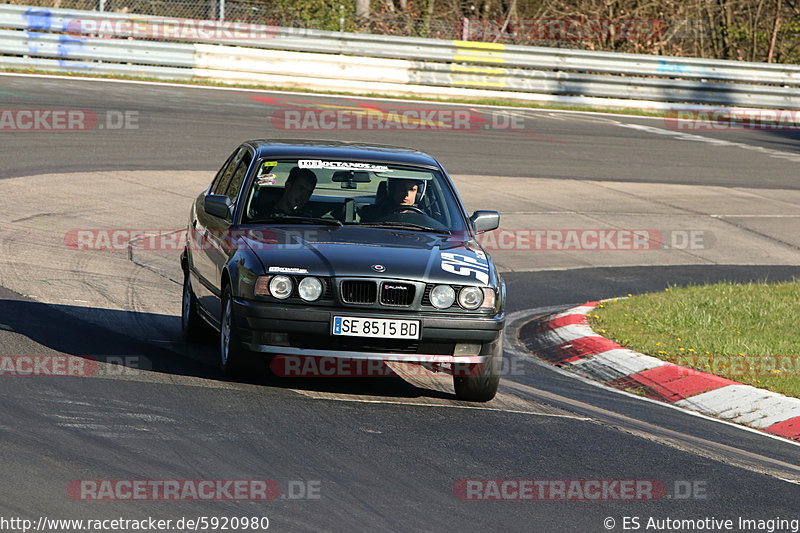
(400, 208)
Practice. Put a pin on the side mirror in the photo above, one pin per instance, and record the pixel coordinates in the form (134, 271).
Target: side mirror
(485, 220)
(218, 205)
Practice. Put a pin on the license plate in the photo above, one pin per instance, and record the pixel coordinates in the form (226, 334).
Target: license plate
(381, 328)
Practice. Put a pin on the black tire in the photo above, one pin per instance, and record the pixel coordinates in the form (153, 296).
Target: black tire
(479, 382)
(233, 358)
(193, 327)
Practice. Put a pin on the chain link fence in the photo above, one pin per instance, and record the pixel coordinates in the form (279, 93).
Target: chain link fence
(680, 36)
(341, 17)
(338, 18)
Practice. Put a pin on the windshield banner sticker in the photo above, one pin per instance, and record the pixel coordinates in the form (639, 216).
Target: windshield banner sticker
(465, 265)
(341, 165)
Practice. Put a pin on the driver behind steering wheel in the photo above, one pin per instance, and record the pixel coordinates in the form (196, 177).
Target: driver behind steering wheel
(400, 192)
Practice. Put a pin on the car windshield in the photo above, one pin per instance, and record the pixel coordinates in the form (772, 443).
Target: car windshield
(299, 191)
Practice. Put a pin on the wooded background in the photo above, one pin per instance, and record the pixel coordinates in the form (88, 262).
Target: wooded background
(750, 30)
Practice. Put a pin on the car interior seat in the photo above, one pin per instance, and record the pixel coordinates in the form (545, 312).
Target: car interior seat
(263, 199)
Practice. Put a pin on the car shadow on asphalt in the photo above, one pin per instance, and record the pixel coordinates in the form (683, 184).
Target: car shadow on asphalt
(51, 329)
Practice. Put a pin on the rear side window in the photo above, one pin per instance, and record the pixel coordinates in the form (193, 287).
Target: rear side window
(223, 178)
(237, 178)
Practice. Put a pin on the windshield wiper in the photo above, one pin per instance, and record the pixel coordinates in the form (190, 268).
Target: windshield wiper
(404, 225)
(290, 220)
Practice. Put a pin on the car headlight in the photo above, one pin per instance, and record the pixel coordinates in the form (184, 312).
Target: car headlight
(280, 287)
(470, 297)
(310, 289)
(442, 296)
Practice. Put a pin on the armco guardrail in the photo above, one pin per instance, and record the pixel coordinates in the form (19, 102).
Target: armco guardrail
(65, 40)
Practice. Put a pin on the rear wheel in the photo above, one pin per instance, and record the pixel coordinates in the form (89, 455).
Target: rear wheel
(479, 382)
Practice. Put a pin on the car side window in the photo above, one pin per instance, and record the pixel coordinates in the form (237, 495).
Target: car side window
(237, 178)
(215, 184)
(224, 175)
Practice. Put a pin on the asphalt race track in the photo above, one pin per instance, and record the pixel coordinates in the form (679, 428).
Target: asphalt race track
(373, 454)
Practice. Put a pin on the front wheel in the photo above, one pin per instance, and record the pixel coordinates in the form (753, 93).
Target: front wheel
(479, 382)
(232, 355)
(193, 327)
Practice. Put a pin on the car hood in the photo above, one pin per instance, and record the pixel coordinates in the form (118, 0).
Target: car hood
(373, 252)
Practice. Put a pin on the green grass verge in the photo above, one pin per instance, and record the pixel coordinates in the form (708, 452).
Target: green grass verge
(744, 332)
(474, 101)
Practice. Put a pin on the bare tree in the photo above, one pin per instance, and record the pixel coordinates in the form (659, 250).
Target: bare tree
(775, 27)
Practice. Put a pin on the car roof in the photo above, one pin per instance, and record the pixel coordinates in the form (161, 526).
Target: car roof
(341, 150)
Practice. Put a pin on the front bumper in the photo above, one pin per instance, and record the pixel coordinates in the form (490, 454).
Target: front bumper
(256, 319)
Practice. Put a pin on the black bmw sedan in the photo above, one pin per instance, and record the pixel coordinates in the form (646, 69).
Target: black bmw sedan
(342, 250)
